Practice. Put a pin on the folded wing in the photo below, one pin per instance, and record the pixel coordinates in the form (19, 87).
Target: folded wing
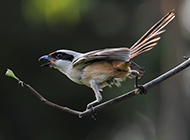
(120, 54)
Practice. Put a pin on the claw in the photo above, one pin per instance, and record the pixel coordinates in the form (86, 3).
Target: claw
(141, 88)
(93, 112)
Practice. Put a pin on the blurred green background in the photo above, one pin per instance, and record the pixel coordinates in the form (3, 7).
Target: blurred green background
(32, 28)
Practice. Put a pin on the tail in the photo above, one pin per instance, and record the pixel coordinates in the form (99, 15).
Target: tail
(147, 41)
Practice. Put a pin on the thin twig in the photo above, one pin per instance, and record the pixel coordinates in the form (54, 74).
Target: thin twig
(48, 102)
(125, 96)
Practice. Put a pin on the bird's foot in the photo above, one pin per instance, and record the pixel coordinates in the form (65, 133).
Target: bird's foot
(141, 89)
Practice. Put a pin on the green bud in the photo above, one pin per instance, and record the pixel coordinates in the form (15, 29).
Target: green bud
(11, 74)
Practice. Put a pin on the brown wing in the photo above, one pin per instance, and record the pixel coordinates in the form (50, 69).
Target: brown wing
(120, 54)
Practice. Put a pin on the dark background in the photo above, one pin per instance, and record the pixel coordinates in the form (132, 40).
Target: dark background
(32, 28)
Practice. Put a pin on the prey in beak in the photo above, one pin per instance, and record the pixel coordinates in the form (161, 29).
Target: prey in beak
(46, 57)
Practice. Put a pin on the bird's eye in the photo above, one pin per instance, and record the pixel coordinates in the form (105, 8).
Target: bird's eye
(59, 55)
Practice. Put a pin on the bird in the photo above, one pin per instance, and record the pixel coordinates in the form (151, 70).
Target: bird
(106, 67)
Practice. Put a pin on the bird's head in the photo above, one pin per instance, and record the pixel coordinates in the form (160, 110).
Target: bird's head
(60, 59)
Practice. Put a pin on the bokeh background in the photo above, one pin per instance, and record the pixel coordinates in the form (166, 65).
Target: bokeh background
(32, 28)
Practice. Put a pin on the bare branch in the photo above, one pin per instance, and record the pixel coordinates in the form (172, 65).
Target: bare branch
(146, 86)
(48, 102)
(125, 96)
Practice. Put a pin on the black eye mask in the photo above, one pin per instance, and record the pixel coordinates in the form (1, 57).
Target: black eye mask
(63, 56)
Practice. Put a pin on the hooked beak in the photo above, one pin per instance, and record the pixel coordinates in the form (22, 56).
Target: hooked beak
(46, 57)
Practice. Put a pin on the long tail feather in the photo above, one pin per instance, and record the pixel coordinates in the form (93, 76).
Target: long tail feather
(147, 41)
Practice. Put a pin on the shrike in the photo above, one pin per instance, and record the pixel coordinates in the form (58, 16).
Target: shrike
(100, 68)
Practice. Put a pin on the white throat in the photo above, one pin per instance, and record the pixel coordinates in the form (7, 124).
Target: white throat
(62, 65)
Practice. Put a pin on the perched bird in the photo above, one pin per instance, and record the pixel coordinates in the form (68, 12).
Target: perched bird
(100, 68)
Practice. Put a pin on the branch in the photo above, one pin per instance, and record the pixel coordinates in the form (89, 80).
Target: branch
(146, 86)
(99, 107)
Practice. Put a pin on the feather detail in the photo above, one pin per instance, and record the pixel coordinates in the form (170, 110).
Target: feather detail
(120, 54)
(144, 43)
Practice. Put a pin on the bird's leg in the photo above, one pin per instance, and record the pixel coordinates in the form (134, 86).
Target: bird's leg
(98, 95)
(140, 87)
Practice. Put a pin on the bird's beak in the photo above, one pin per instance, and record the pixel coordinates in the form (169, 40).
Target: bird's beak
(46, 57)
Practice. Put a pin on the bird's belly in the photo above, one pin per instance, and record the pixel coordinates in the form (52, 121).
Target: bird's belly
(103, 73)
